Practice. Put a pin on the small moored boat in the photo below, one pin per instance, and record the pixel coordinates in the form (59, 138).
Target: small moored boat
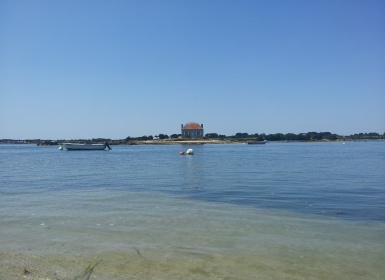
(190, 152)
(77, 146)
(256, 142)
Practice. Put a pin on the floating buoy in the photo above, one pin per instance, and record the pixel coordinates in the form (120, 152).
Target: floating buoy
(181, 153)
(60, 148)
(190, 152)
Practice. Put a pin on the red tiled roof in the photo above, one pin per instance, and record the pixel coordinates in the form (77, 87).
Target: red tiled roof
(192, 125)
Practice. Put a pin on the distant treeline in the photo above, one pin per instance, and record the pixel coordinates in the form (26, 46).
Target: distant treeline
(309, 136)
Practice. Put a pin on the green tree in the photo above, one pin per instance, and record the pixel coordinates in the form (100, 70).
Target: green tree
(291, 137)
(261, 137)
(276, 137)
(241, 135)
(211, 135)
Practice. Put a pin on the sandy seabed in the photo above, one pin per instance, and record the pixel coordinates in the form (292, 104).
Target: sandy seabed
(218, 243)
(190, 263)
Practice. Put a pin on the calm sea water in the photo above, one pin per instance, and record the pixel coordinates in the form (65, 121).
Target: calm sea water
(280, 210)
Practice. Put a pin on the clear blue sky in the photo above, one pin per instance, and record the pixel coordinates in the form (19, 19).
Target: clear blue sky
(86, 69)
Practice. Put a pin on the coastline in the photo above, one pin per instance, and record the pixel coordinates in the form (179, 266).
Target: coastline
(173, 141)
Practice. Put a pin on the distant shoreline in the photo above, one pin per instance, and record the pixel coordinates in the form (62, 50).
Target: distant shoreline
(173, 141)
(210, 138)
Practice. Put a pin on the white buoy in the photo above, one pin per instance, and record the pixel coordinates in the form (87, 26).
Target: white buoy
(190, 152)
(60, 148)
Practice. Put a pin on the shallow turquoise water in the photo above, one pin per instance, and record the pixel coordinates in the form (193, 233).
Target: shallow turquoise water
(280, 210)
(329, 179)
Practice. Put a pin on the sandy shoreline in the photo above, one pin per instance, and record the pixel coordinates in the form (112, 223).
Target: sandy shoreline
(164, 263)
(180, 142)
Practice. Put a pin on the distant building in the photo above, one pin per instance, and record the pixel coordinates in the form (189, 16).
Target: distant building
(192, 130)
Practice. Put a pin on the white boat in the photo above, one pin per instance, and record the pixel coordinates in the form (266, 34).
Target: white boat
(77, 146)
(190, 152)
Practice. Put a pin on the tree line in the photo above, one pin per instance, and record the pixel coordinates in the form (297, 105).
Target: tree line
(309, 136)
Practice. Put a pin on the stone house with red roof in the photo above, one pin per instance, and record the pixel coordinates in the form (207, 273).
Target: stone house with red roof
(192, 130)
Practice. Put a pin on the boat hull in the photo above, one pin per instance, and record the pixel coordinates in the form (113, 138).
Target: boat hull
(256, 142)
(78, 147)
